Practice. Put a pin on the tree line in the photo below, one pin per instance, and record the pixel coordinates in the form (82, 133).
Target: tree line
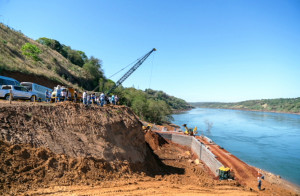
(289, 105)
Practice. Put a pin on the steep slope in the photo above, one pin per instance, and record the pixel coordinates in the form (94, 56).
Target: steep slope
(112, 133)
(51, 65)
(69, 143)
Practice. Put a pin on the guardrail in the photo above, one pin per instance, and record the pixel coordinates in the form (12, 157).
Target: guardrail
(197, 147)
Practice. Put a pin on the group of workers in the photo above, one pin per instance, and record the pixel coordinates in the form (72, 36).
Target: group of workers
(99, 100)
(61, 94)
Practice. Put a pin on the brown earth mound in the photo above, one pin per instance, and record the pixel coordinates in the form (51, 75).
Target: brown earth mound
(109, 133)
(24, 167)
(179, 177)
(69, 143)
(154, 140)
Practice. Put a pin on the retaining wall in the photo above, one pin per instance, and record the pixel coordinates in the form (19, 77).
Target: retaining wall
(197, 147)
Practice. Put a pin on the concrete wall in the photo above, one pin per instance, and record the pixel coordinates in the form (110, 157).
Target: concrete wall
(197, 147)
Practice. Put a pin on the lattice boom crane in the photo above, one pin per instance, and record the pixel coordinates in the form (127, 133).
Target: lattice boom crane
(130, 71)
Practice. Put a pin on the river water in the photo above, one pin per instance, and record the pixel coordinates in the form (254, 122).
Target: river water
(270, 141)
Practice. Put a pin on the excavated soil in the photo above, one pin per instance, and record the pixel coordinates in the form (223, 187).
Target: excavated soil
(70, 149)
(110, 133)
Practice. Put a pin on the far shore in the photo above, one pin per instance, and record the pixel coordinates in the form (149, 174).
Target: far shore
(244, 109)
(182, 110)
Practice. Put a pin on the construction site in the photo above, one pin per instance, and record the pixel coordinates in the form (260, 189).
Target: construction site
(70, 149)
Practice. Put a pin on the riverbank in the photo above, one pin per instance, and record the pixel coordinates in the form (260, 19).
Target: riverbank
(182, 110)
(271, 111)
(244, 174)
(265, 140)
(276, 179)
(279, 105)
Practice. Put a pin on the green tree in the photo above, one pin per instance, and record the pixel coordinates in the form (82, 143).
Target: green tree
(31, 51)
(52, 43)
(93, 66)
(75, 57)
(139, 105)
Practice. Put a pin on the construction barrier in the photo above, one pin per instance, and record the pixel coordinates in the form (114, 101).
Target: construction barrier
(197, 147)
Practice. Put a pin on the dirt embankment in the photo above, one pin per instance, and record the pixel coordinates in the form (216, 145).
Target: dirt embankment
(74, 130)
(69, 143)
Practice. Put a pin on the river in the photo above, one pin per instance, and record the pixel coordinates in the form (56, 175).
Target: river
(270, 141)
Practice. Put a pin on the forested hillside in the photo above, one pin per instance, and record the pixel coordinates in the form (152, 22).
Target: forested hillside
(291, 105)
(50, 59)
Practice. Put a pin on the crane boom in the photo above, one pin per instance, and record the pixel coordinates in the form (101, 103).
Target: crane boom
(130, 71)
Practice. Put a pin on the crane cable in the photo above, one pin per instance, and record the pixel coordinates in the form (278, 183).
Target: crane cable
(128, 66)
(123, 69)
(150, 80)
(117, 72)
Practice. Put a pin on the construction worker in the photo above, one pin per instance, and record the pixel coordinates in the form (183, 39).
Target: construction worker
(75, 96)
(48, 96)
(259, 183)
(116, 99)
(84, 96)
(113, 101)
(58, 93)
(102, 99)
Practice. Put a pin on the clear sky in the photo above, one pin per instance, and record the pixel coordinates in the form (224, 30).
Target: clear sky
(207, 50)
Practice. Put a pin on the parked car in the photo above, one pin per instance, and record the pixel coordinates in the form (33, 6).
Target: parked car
(8, 81)
(19, 92)
(37, 90)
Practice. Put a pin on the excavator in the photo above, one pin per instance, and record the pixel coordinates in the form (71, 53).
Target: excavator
(190, 132)
(147, 128)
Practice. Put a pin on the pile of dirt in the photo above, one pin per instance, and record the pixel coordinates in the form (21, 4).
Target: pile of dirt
(23, 167)
(154, 140)
(70, 143)
(109, 133)
(180, 176)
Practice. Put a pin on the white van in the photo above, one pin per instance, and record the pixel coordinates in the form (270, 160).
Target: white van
(37, 90)
(8, 81)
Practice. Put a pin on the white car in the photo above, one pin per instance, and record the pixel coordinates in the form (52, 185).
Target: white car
(19, 92)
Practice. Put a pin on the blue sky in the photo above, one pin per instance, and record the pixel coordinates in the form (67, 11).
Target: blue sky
(213, 50)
